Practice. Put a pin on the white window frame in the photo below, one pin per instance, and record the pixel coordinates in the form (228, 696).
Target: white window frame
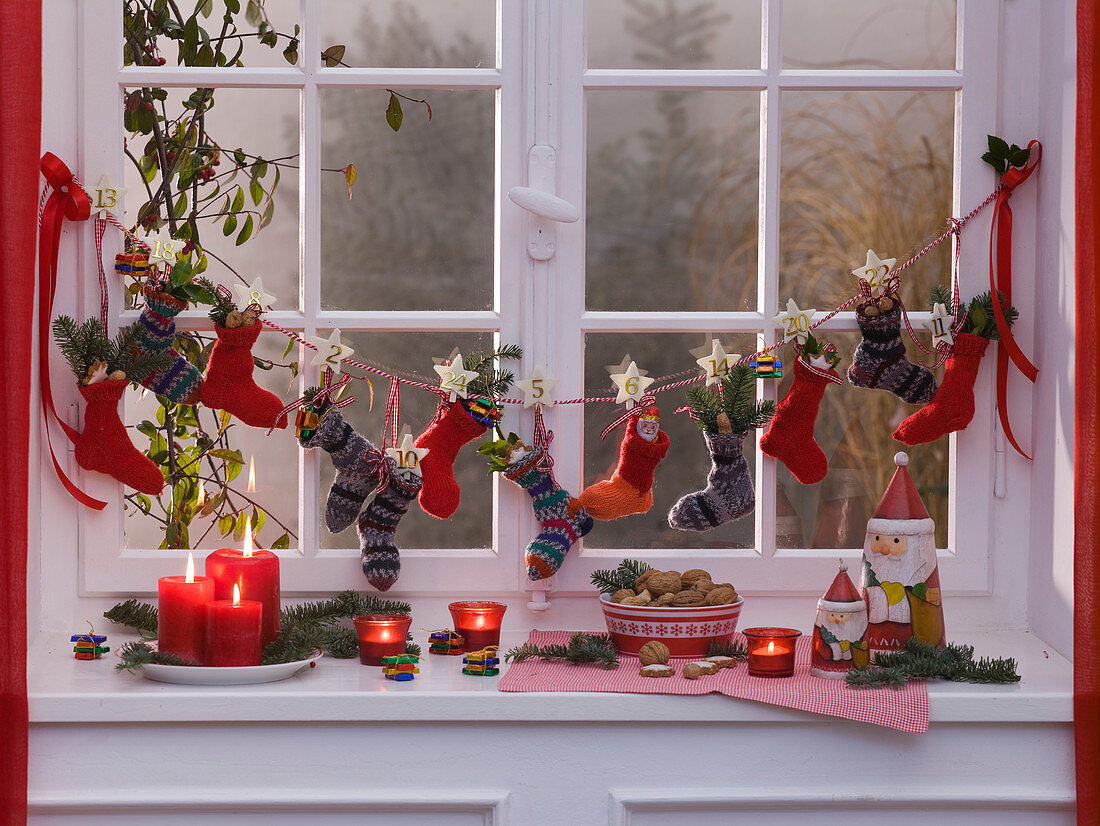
(541, 304)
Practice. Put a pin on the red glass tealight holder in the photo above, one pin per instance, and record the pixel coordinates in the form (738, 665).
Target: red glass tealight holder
(771, 651)
(478, 622)
(381, 635)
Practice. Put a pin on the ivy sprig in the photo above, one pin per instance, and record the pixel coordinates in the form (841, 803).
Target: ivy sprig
(1003, 157)
(498, 452)
(980, 320)
(813, 349)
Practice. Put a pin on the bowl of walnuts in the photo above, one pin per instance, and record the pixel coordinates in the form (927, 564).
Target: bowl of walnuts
(687, 611)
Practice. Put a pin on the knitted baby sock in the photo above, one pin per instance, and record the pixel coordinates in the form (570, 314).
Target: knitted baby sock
(378, 524)
(451, 428)
(953, 407)
(879, 361)
(229, 385)
(560, 528)
(180, 381)
(104, 445)
(356, 462)
(630, 488)
(728, 494)
(790, 438)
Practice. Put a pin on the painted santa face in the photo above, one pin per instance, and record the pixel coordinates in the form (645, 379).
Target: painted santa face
(648, 429)
(844, 625)
(837, 617)
(889, 544)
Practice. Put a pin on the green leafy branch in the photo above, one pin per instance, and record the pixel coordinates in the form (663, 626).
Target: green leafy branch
(582, 648)
(85, 344)
(737, 399)
(738, 651)
(920, 660)
(625, 576)
(1003, 157)
(980, 319)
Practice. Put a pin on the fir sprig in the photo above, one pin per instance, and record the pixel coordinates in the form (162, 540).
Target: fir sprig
(737, 400)
(625, 576)
(139, 616)
(86, 343)
(920, 660)
(133, 655)
(980, 320)
(736, 650)
(492, 381)
(221, 306)
(582, 648)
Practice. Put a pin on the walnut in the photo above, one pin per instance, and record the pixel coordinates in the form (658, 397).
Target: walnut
(692, 576)
(657, 670)
(622, 594)
(665, 600)
(116, 375)
(640, 583)
(248, 318)
(664, 583)
(653, 652)
(721, 596)
(885, 304)
(704, 586)
(686, 599)
(644, 598)
(871, 310)
(673, 572)
(692, 671)
(234, 320)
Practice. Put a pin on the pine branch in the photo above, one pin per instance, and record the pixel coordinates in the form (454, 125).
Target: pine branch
(138, 616)
(737, 400)
(130, 358)
(919, 660)
(940, 294)
(133, 655)
(625, 576)
(728, 649)
(221, 306)
(706, 406)
(491, 381)
(81, 344)
(582, 648)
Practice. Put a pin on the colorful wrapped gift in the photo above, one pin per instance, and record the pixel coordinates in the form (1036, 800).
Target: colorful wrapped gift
(89, 646)
(401, 668)
(445, 641)
(483, 663)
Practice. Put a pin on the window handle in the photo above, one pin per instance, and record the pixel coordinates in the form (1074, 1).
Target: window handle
(543, 204)
(545, 210)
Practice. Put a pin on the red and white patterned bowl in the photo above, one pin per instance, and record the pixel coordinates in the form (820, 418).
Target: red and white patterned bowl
(688, 632)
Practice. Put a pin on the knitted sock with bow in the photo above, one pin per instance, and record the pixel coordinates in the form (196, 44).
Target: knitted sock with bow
(451, 428)
(630, 488)
(179, 381)
(879, 361)
(229, 385)
(356, 461)
(378, 524)
(560, 529)
(104, 445)
(953, 407)
(790, 438)
(728, 494)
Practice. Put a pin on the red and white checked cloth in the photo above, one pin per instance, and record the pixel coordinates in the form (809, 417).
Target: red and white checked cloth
(905, 709)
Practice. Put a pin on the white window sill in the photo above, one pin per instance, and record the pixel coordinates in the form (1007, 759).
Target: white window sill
(65, 690)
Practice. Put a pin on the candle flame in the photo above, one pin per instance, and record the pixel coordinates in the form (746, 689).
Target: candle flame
(251, 475)
(236, 594)
(190, 569)
(248, 536)
(771, 646)
(202, 494)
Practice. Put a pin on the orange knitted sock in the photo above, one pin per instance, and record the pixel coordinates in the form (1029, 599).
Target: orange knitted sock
(630, 489)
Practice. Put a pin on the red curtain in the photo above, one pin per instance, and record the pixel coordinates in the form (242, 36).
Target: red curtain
(1086, 458)
(20, 127)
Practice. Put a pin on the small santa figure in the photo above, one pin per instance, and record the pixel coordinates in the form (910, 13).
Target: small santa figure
(900, 579)
(840, 629)
(649, 423)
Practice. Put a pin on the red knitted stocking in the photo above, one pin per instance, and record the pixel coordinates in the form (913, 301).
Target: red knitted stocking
(953, 407)
(790, 438)
(104, 445)
(451, 428)
(229, 385)
(630, 489)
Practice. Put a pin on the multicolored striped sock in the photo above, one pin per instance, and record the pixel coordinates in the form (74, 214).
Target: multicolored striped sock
(356, 462)
(180, 381)
(546, 551)
(879, 361)
(378, 524)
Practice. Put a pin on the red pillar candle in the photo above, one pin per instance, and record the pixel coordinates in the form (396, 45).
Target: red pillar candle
(478, 622)
(771, 651)
(381, 635)
(181, 606)
(257, 574)
(233, 631)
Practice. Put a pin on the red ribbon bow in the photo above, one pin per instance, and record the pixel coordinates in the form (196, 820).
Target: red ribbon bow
(67, 200)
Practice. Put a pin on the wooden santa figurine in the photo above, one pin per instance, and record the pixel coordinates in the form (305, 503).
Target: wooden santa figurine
(900, 578)
(840, 630)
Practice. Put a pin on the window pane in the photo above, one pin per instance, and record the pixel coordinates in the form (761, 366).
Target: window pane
(863, 170)
(418, 232)
(672, 200)
(242, 41)
(684, 468)
(472, 525)
(264, 124)
(869, 34)
(854, 429)
(424, 33)
(276, 461)
(674, 34)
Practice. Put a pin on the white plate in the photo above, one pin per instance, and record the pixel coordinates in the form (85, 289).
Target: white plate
(225, 675)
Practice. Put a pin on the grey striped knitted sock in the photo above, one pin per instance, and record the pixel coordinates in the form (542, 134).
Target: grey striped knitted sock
(356, 462)
(879, 361)
(378, 524)
(728, 494)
